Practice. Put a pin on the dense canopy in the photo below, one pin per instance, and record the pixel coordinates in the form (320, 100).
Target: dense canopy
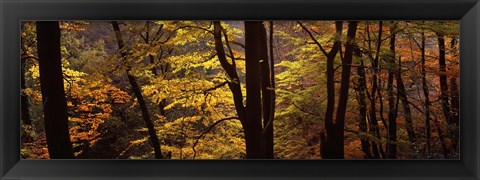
(240, 90)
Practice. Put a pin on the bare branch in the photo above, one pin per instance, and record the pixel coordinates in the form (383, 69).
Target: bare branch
(305, 111)
(238, 44)
(227, 43)
(208, 130)
(313, 38)
(215, 87)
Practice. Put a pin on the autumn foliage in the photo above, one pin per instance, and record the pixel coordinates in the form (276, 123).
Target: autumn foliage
(241, 90)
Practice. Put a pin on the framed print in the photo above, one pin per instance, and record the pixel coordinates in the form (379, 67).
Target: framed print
(248, 89)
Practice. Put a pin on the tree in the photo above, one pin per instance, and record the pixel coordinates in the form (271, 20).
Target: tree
(257, 86)
(233, 90)
(392, 107)
(25, 107)
(138, 94)
(332, 146)
(426, 95)
(344, 87)
(327, 147)
(268, 97)
(443, 78)
(255, 51)
(164, 68)
(53, 93)
(361, 88)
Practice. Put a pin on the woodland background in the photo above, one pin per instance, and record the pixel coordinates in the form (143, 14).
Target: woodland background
(240, 90)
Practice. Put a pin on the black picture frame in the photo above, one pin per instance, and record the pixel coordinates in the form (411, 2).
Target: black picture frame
(13, 11)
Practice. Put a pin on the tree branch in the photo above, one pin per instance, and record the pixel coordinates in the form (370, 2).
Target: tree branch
(208, 130)
(215, 87)
(238, 44)
(305, 111)
(313, 38)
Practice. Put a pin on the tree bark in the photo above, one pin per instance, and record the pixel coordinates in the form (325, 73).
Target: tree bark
(392, 114)
(332, 145)
(268, 96)
(361, 87)
(427, 101)
(344, 88)
(327, 146)
(406, 106)
(455, 105)
(250, 116)
(377, 152)
(449, 114)
(443, 79)
(53, 93)
(254, 52)
(154, 140)
(455, 102)
(230, 69)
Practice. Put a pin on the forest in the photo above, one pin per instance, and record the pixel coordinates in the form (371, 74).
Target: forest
(239, 89)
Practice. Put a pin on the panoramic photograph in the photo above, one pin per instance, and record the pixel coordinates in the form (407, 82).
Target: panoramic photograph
(354, 90)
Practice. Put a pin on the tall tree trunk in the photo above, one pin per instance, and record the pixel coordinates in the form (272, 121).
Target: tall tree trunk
(154, 140)
(377, 152)
(332, 145)
(406, 106)
(230, 69)
(327, 147)
(268, 95)
(455, 103)
(443, 79)
(254, 53)
(444, 94)
(361, 87)
(251, 114)
(53, 93)
(344, 88)
(392, 114)
(427, 101)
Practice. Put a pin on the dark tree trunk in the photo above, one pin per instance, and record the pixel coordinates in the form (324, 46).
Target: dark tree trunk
(332, 146)
(252, 137)
(154, 140)
(377, 152)
(327, 147)
(254, 52)
(230, 69)
(268, 95)
(443, 79)
(406, 106)
(392, 114)
(444, 94)
(361, 87)
(427, 101)
(53, 93)
(455, 103)
(406, 109)
(344, 88)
